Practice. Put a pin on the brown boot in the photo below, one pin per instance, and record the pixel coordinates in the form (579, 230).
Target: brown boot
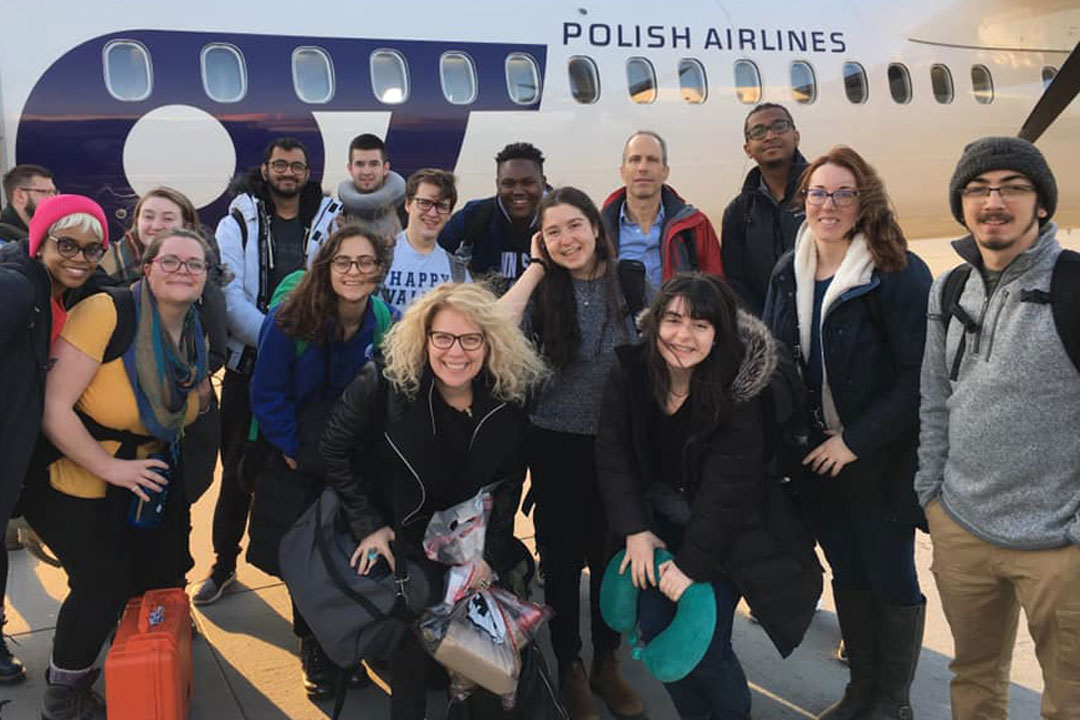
(575, 694)
(619, 697)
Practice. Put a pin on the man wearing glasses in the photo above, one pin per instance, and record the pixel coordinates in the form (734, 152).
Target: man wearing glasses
(373, 193)
(25, 187)
(760, 224)
(419, 263)
(276, 224)
(999, 461)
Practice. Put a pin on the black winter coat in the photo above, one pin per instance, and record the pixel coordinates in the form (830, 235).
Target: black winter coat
(756, 231)
(873, 338)
(725, 482)
(382, 457)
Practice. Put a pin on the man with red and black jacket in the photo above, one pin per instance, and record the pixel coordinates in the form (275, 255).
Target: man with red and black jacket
(651, 223)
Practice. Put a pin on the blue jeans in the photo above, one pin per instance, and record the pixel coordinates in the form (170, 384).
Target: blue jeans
(717, 687)
(866, 551)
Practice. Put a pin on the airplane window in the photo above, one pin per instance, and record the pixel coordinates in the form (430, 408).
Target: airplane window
(747, 82)
(458, 78)
(692, 81)
(941, 82)
(803, 83)
(1049, 72)
(312, 75)
(522, 79)
(856, 86)
(128, 75)
(389, 77)
(982, 85)
(641, 80)
(900, 83)
(223, 74)
(584, 79)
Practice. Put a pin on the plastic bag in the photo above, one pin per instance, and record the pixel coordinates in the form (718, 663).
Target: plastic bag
(477, 636)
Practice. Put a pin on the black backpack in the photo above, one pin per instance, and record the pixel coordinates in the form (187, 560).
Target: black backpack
(1063, 298)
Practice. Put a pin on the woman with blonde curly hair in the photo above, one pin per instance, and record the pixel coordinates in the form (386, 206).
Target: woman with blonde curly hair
(444, 418)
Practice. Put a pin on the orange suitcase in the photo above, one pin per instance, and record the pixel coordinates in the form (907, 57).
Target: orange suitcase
(148, 668)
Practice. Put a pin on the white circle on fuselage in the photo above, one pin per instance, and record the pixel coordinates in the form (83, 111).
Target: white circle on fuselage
(182, 147)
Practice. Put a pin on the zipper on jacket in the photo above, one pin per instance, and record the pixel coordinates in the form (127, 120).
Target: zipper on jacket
(423, 490)
(491, 412)
(993, 325)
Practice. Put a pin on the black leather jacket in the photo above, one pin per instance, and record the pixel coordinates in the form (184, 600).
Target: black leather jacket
(382, 458)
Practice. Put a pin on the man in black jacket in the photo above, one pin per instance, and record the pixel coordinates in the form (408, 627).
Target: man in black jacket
(759, 225)
(25, 186)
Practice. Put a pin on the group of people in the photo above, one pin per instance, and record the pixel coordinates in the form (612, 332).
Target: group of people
(407, 356)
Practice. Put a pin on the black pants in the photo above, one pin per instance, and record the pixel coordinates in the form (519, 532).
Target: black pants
(234, 500)
(106, 560)
(3, 566)
(573, 533)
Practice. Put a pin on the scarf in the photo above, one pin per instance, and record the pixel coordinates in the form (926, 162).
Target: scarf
(855, 270)
(163, 373)
(370, 206)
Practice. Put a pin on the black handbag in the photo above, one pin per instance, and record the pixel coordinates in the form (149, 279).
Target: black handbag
(352, 616)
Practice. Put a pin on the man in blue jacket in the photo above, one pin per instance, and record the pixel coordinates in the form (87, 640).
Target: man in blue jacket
(493, 234)
(999, 461)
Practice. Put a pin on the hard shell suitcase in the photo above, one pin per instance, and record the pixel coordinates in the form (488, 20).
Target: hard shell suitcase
(148, 668)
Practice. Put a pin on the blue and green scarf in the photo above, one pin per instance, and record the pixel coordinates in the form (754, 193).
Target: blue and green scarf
(163, 373)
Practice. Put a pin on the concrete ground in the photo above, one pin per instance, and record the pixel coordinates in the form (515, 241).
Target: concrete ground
(246, 665)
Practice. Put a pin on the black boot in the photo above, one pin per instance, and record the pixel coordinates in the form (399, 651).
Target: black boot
(11, 669)
(856, 612)
(357, 677)
(73, 702)
(318, 670)
(900, 634)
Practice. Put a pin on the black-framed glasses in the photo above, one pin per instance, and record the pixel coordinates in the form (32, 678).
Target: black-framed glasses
(69, 248)
(282, 165)
(47, 192)
(171, 264)
(445, 340)
(1005, 192)
(756, 132)
(442, 206)
(843, 197)
(363, 263)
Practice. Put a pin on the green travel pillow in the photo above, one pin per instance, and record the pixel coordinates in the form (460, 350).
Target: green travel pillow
(671, 655)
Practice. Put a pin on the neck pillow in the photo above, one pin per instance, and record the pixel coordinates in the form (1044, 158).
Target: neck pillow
(671, 655)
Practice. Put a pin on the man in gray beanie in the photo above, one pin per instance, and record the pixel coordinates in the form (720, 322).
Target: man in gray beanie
(999, 461)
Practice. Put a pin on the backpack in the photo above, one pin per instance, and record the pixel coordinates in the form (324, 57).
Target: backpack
(1063, 298)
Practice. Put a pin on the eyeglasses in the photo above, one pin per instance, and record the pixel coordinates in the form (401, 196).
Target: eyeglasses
(47, 192)
(778, 127)
(171, 264)
(283, 165)
(69, 248)
(1005, 192)
(841, 198)
(443, 206)
(445, 340)
(363, 263)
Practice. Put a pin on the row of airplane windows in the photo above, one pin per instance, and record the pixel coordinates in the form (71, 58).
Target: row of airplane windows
(129, 77)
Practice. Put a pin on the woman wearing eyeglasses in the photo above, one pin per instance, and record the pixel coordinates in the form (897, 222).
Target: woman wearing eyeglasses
(37, 276)
(444, 418)
(130, 373)
(311, 347)
(850, 301)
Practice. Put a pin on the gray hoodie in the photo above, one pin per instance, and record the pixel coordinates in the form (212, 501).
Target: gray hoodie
(999, 445)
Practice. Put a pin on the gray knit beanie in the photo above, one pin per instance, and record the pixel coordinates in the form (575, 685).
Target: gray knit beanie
(1003, 153)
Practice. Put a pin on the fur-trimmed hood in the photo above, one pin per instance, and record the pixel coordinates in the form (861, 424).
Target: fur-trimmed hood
(252, 183)
(759, 359)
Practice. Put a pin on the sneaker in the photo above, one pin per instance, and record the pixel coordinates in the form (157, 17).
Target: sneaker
(11, 668)
(73, 702)
(213, 588)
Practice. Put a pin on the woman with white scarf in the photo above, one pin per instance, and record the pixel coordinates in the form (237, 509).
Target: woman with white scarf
(850, 302)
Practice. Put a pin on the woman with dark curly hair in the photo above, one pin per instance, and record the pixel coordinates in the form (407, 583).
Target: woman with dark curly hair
(850, 301)
(311, 346)
(572, 303)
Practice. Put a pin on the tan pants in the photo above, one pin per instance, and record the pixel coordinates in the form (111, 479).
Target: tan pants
(982, 588)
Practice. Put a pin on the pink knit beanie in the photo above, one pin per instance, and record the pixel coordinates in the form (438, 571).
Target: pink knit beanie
(60, 206)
